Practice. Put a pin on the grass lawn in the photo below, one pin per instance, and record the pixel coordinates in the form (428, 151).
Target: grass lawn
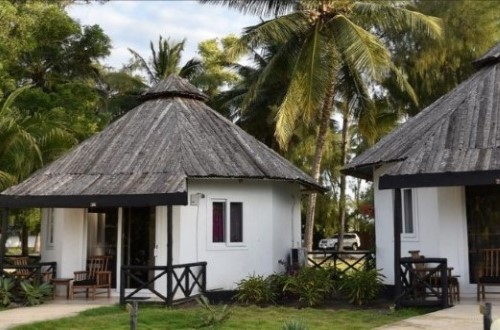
(251, 317)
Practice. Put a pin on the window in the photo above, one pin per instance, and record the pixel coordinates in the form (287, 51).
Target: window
(227, 229)
(408, 228)
(49, 216)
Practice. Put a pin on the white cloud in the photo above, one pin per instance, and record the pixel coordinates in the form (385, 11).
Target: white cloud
(133, 24)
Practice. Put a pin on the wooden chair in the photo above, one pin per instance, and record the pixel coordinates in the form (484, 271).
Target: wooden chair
(22, 273)
(97, 276)
(488, 271)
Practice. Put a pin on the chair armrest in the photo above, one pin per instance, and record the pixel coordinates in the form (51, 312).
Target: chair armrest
(103, 277)
(80, 275)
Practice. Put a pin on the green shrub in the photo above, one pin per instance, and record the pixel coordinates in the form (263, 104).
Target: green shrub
(277, 284)
(294, 325)
(35, 294)
(6, 286)
(255, 289)
(362, 286)
(212, 316)
(310, 285)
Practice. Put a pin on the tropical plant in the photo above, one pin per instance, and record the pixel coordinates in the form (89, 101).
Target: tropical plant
(6, 294)
(310, 285)
(35, 294)
(165, 61)
(362, 286)
(294, 325)
(212, 316)
(255, 289)
(317, 38)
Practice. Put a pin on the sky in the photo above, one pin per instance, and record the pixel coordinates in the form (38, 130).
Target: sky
(133, 24)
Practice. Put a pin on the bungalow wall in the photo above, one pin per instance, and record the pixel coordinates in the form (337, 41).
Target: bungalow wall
(271, 227)
(440, 230)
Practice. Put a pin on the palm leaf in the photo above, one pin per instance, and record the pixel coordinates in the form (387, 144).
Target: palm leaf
(257, 7)
(362, 48)
(387, 15)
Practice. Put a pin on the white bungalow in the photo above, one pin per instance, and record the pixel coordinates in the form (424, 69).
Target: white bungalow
(171, 182)
(436, 179)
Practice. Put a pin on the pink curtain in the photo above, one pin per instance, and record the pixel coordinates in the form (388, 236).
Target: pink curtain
(218, 222)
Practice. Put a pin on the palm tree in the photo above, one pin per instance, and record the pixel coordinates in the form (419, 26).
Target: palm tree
(28, 141)
(318, 36)
(165, 61)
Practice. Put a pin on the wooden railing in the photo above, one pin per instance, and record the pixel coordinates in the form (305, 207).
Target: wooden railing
(342, 261)
(424, 282)
(185, 278)
(39, 272)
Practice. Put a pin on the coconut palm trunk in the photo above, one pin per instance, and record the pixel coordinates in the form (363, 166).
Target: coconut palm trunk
(324, 124)
(343, 159)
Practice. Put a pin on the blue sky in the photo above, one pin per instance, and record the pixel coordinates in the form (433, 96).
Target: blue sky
(133, 24)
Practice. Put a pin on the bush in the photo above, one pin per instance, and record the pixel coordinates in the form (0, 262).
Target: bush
(35, 294)
(6, 288)
(212, 316)
(362, 286)
(311, 285)
(294, 325)
(255, 290)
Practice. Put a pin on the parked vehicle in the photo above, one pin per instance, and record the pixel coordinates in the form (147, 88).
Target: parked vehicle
(351, 241)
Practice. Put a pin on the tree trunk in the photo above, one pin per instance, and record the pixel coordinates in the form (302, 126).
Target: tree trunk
(324, 124)
(343, 158)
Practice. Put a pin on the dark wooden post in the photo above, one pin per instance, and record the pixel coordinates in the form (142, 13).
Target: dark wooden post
(3, 238)
(169, 255)
(397, 242)
(486, 311)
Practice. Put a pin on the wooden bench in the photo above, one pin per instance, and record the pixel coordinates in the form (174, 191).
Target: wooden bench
(488, 271)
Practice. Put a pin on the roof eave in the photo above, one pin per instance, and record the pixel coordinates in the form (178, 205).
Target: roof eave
(85, 201)
(445, 179)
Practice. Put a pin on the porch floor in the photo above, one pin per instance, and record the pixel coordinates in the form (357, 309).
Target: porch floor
(464, 315)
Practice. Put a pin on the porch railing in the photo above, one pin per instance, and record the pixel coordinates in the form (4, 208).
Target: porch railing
(39, 272)
(342, 261)
(424, 282)
(186, 279)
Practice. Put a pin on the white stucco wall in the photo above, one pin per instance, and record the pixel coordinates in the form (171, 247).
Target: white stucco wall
(441, 225)
(271, 227)
(69, 246)
(271, 211)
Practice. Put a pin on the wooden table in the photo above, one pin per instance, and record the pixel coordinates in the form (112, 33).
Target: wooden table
(61, 281)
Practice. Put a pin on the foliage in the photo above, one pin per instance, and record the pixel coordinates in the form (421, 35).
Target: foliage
(294, 325)
(310, 285)
(362, 286)
(6, 294)
(434, 67)
(212, 316)
(255, 289)
(35, 294)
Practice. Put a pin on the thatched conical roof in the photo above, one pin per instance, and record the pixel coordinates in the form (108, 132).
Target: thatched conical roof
(147, 156)
(455, 141)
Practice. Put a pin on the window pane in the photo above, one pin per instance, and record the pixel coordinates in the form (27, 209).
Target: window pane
(218, 222)
(408, 211)
(236, 225)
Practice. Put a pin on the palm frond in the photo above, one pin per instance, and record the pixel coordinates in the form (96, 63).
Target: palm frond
(362, 48)
(257, 7)
(140, 62)
(11, 98)
(393, 15)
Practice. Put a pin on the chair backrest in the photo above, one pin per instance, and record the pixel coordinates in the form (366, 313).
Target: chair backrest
(490, 262)
(97, 264)
(22, 261)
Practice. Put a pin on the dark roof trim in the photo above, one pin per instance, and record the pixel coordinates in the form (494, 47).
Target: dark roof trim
(168, 94)
(85, 201)
(447, 179)
(365, 171)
